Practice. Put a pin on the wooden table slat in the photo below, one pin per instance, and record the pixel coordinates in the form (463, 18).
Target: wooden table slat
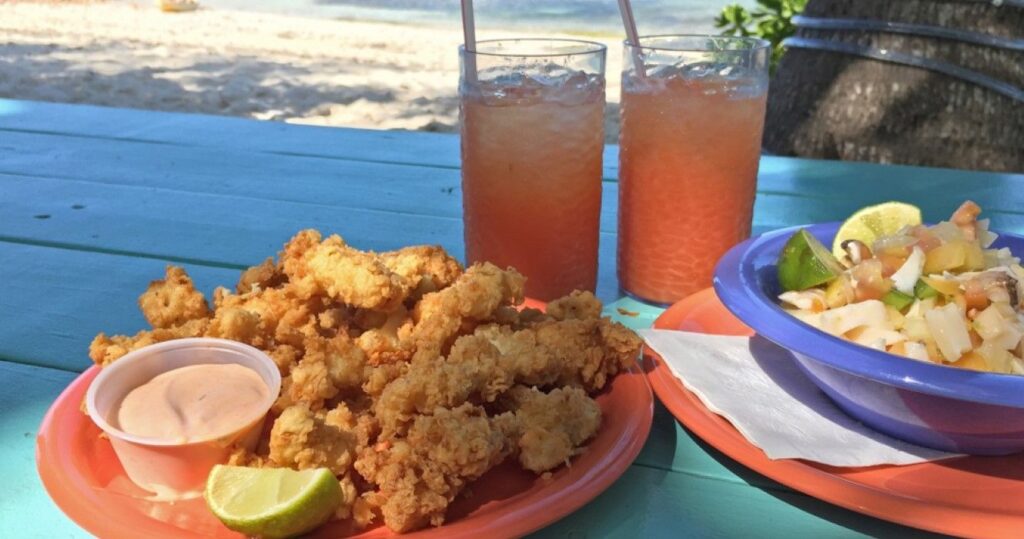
(197, 135)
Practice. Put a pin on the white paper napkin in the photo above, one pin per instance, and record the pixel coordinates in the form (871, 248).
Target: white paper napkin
(757, 386)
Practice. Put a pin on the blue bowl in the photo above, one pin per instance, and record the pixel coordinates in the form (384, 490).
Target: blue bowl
(932, 405)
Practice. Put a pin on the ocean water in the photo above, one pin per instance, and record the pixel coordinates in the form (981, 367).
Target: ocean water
(601, 16)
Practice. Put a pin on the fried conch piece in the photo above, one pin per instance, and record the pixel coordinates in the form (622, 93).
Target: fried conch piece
(579, 305)
(328, 367)
(388, 340)
(261, 276)
(236, 324)
(482, 366)
(418, 475)
(584, 353)
(302, 438)
(443, 383)
(104, 349)
(348, 275)
(428, 268)
(284, 316)
(473, 298)
(553, 426)
(173, 300)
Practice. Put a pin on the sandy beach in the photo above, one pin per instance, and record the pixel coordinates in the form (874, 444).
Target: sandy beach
(264, 66)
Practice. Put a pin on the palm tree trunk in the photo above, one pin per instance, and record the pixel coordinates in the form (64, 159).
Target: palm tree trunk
(838, 106)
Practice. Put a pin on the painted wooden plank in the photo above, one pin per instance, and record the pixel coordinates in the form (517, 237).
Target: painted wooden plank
(176, 128)
(654, 502)
(423, 189)
(399, 188)
(25, 509)
(850, 186)
(63, 297)
(375, 200)
(214, 230)
(418, 148)
(184, 129)
(56, 300)
(217, 228)
(237, 231)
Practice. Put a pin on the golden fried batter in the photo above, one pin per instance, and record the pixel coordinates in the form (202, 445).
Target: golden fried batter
(264, 275)
(420, 474)
(428, 268)
(472, 298)
(494, 358)
(173, 300)
(388, 339)
(105, 350)
(236, 324)
(328, 367)
(578, 305)
(351, 276)
(551, 426)
(302, 438)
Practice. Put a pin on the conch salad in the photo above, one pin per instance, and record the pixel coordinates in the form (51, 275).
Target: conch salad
(938, 293)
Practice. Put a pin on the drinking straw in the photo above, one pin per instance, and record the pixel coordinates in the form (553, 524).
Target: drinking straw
(631, 36)
(469, 39)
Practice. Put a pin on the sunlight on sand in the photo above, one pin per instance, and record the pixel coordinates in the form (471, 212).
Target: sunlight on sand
(264, 66)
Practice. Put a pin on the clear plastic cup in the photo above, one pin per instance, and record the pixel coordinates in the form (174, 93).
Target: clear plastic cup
(692, 113)
(532, 115)
(170, 469)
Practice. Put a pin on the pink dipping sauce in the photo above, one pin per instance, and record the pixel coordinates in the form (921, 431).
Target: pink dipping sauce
(193, 403)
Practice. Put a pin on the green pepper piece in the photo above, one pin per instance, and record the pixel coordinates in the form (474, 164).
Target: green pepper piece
(923, 290)
(898, 299)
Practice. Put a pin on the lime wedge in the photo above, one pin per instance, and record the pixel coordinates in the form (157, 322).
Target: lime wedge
(873, 222)
(805, 263)
(271, 502)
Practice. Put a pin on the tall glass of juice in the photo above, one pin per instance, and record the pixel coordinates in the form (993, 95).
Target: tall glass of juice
(532, 115)
(692, 114)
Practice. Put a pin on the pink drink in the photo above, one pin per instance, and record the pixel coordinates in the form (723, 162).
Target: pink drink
(531, 175)
(690, 145)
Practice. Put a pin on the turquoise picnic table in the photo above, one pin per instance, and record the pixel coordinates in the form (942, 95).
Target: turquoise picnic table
(95, 201)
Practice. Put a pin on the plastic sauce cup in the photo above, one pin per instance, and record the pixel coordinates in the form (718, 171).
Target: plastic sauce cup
(169, 468)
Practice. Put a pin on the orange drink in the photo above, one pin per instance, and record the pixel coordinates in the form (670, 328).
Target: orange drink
(689, 149)
(532, 139)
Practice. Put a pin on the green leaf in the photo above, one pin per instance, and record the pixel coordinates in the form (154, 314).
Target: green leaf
(770, 19)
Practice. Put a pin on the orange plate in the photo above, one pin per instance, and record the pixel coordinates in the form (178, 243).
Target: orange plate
(85, 479)
(968, 496)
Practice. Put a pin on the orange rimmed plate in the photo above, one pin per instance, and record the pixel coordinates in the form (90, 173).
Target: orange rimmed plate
(968, 496)
(85, 479)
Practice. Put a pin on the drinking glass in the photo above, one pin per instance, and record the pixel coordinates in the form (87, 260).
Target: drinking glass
(532, 114)
(692, 112)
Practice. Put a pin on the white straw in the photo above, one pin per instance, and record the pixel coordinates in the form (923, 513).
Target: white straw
(631, 35)
(469, 39)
